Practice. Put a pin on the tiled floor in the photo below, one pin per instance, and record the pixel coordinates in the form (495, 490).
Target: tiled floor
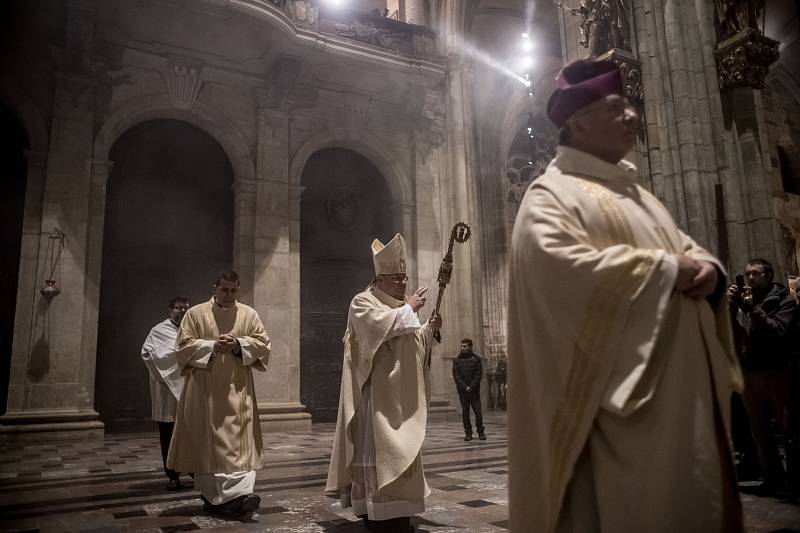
(118, 485)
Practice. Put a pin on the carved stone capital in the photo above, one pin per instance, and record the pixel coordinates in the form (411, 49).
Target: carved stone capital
(743, 60)
(244, 188)
(184, 81)
(631, 74)
(101, 168)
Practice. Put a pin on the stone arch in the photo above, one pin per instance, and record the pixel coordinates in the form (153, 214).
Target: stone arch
(229, 136)
(399, 182)
(26, 111)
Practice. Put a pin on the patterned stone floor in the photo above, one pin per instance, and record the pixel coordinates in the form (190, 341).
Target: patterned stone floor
(118, 485)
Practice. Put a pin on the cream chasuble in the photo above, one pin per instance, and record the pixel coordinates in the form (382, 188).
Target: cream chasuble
(619, 388)
(216, 428)
(383, 408)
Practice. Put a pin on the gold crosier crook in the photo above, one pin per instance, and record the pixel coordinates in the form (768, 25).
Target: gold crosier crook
(460, 234)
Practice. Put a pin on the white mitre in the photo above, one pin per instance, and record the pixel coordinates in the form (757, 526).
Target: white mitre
(391, 257)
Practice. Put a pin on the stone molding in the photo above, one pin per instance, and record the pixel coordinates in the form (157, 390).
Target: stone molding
(184, 81)
(290, 416)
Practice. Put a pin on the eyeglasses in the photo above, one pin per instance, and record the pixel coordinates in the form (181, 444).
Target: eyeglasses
(615, 106)
(397, 279)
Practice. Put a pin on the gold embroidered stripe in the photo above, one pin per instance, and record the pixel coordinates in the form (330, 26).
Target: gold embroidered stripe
(591, 344)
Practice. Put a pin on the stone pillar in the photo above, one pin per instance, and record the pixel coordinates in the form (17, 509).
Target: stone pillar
(276, 269)
(462, 309)
(244, 202)
(51, 389)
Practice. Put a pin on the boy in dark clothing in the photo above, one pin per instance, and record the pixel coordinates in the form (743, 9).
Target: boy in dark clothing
(467, 371)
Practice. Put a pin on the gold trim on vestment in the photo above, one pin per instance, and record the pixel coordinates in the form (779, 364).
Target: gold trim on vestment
(593, 336)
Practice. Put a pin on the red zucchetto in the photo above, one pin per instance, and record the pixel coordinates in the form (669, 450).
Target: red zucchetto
(579, 84)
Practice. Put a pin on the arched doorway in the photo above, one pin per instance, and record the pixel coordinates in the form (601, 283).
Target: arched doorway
(168, 231)
(346, 203)
(13, 143)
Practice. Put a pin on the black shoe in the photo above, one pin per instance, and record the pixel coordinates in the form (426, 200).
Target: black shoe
(236, 508)
(393, 525)
(174, 484)
(482, 436)
(468, 438)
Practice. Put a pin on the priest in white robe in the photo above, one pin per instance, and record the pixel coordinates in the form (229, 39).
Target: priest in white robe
(620, 360)
(166, 381)
(376, 463)
(217, 432)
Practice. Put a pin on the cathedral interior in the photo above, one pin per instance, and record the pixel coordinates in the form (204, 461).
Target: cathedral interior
(149, 144)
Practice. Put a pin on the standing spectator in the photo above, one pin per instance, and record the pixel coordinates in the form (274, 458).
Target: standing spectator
(166, 381)
(467, 372)
(764, 316)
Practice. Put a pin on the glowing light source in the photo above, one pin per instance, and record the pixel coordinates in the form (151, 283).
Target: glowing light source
(527, 45)
(525, 35)
(527, 62)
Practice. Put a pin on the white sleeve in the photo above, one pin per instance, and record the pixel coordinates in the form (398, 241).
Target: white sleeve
(405, 321)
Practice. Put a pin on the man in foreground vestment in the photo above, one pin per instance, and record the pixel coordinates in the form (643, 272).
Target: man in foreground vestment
(376, 465)
(166, 381)
(217, 432)
(620, 359)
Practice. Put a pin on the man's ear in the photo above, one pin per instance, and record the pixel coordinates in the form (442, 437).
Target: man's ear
(577, 127)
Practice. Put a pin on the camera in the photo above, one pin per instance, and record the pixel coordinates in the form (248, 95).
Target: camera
(739, 284)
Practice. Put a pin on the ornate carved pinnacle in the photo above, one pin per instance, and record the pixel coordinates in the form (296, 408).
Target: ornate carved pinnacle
(744, 59)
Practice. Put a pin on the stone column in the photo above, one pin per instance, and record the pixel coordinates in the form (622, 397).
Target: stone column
(51, 387)
(462, 306)
(100, 170)
(244, 202)
(29, 278)
(276, 267)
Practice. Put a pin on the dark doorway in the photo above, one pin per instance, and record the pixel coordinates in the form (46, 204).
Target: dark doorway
(13, 143)
(346, 204)
(168, 231)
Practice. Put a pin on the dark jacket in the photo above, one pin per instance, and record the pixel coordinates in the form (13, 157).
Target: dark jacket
(467, 371)
(765, 336)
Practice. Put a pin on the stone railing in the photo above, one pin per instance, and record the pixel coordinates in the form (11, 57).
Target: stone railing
(370, 28)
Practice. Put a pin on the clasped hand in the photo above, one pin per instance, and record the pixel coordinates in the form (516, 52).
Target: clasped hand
(696, 278)
(226, 343)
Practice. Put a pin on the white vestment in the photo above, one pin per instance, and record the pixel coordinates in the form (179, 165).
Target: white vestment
(166, 381)
(376, 465)
(618, 386)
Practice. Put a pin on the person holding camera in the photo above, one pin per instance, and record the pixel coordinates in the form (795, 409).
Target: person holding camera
(763, 314)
